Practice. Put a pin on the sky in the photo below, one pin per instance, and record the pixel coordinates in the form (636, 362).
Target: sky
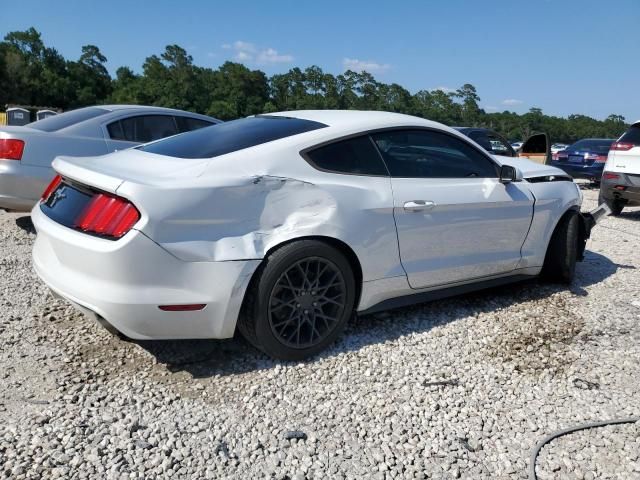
(564, 56)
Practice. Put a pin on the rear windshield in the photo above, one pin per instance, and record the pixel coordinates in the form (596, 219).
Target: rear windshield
(231, 136)
(594, 146)
(632, 135)
(66, 119)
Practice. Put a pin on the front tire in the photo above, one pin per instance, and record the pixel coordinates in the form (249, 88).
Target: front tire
(562, 252)
(300, 300)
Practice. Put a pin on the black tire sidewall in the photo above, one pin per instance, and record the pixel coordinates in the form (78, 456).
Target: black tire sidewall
(562, 252)
(278, 264)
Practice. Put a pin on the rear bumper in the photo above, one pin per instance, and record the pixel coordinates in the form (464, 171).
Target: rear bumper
(21, 185)
(125, 281)
(587, 172)
(622, 189)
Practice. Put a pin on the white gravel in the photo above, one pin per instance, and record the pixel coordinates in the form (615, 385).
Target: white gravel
(461, 388)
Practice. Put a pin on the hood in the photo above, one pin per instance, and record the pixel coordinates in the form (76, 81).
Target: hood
(530, 169)
(108, 172)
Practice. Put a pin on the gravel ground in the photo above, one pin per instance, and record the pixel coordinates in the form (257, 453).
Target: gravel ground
(461, 388)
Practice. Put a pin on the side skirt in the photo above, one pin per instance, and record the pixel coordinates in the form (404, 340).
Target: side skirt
(422, 297)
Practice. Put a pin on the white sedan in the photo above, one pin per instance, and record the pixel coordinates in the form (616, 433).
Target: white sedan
(284, 225)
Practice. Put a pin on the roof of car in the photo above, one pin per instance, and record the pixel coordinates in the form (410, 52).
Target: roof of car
(363, 119)
(469, 128)
(597, 139)
(115, 108)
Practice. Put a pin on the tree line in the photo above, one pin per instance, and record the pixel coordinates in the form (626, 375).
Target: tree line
(33, 74)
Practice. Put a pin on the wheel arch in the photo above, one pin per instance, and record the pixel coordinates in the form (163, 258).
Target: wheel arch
(581, 224)
(338, 244)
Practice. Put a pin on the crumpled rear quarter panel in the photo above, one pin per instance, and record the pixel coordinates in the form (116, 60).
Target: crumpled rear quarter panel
(230, 214)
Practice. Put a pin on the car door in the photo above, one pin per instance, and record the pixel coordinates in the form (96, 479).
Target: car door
(455, 220)
(536, 148)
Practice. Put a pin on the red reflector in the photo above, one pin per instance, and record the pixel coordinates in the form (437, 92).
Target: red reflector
(108, 215)
(51, 187)
(182, 308)
(610, 176)
(623, 146)
(11, 149)
(622, 188)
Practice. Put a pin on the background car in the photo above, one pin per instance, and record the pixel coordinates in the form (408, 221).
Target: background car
(488, 139)
(556, 147)
(284, 225)
(535, 148)
(26, 152)
(584, 159)
(516, 145)
(620, 185)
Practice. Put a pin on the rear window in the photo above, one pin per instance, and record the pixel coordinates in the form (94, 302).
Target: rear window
(67, 119)
(596, 146)
(186, 124)
(231, 136)
(632, 135)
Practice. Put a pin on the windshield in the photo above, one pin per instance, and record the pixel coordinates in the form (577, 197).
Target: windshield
(231, 136)
(596, 146)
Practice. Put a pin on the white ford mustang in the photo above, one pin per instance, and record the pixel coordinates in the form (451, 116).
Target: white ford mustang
(285, 224)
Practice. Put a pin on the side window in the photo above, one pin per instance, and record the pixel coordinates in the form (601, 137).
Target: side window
(115, 131)
(356, 156)
(143, 129)
(631, 136)
(432, 154)
(482, 139)
(499, 146)
(187, 124)
(492, 143)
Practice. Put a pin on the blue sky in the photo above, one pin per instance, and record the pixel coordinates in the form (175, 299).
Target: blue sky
(564, 56)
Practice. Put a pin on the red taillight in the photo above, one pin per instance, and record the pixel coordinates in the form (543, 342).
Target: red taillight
(11, 149)
(182, 308)
(622, 146)
(610, 176)
(51, 187)
(597, 158)
(107, 215)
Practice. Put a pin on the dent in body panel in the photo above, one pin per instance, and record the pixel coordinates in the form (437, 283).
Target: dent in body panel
(552, 200)
(246, 219)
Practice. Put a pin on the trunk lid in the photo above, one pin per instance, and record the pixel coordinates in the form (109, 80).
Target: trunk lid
(108, 172)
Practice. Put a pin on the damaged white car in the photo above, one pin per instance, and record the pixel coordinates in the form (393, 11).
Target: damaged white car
(284, 225)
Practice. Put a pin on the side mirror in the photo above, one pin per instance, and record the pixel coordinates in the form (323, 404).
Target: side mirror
(510, 174)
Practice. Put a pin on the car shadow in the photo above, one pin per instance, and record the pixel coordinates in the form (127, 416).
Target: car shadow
(629, 215)
(208, 358)
(26, 224)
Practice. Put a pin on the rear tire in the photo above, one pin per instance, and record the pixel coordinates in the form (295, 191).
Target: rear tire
(562, 252)
(299, 301)
(616, 206)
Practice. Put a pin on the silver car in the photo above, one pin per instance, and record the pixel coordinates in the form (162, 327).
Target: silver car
(26, 152)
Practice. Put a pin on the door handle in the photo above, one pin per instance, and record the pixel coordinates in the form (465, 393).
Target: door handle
(419, 205)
